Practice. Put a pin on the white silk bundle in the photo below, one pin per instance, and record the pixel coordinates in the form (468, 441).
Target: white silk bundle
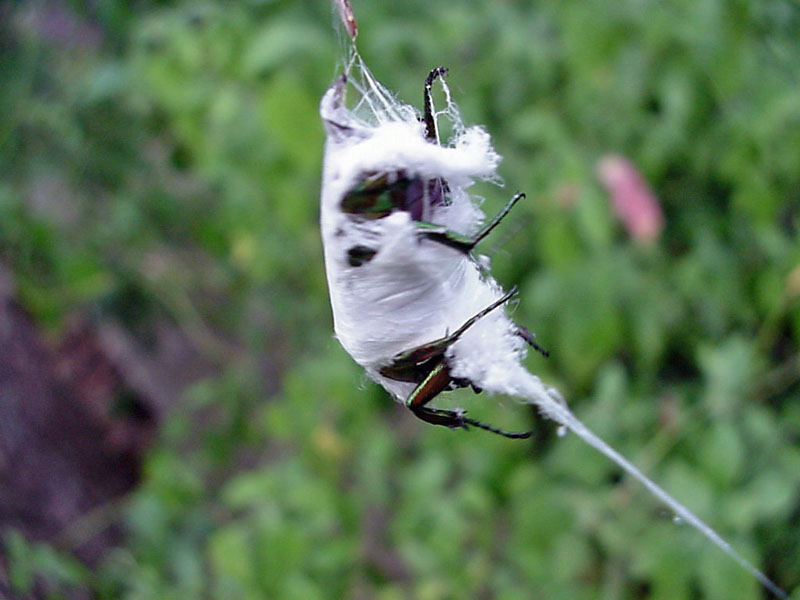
(414, 290)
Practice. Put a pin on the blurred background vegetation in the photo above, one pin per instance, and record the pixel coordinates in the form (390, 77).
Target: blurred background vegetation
(160, 167)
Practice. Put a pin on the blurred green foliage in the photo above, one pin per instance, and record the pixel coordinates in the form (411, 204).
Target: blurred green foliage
(165, 160)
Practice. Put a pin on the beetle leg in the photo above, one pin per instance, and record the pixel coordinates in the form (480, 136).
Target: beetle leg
(456, 419)
(530, 339)
(427, 105)
(426, 366)
(458, 241)
(415, 364)
(435, 383)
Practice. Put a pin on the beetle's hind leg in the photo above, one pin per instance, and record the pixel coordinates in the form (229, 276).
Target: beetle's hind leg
(415, 364)
(437, 381)
(426, 366)
(456, 419)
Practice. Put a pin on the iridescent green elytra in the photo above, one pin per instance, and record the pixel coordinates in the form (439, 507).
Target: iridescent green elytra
(377, 195)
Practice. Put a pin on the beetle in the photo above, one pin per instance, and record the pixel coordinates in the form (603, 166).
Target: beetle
(399, 233)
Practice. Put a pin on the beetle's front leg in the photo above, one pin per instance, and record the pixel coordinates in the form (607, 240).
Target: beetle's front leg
(458, 241)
